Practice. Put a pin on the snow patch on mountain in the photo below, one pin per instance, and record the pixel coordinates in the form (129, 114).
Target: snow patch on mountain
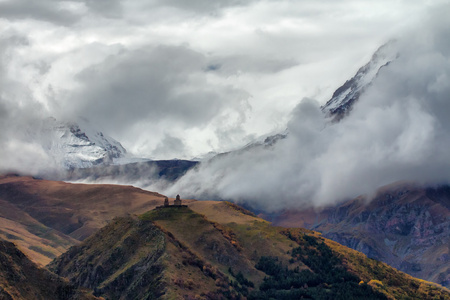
(345, 96)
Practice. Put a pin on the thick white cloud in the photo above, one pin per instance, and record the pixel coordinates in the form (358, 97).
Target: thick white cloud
(398, 130)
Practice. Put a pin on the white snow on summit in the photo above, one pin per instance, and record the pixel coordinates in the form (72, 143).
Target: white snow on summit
(77, 145)
(345, 96)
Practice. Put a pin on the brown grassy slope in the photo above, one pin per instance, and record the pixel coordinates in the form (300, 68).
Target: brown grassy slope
(21, 279)
(112, 260)
(77, 210)
(384, 278)
(40, 243)
(46, 217)
(223, 212)
(218, 236)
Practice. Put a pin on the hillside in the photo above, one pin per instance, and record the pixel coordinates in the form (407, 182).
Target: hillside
(44, 217)
(21, 279)
(404, 225)
(217, 250)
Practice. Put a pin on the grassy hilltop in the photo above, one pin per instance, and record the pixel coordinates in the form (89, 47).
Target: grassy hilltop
(217, 250)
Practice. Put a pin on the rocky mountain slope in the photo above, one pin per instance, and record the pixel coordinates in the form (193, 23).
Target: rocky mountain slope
(21, 279)
(405, 226)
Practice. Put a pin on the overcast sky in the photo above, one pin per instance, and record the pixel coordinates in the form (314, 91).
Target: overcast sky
(181, 78)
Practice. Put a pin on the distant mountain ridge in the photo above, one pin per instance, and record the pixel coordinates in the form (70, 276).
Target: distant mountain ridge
(77, 145)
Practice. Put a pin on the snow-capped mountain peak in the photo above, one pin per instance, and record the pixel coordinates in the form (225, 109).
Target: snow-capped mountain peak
(78, 144)
(346, 95)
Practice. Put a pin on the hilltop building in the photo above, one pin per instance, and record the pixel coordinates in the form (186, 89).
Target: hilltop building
(176, 203)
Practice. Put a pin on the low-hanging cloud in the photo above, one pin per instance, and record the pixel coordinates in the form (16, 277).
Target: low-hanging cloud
(20, 115)
(398, 130)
